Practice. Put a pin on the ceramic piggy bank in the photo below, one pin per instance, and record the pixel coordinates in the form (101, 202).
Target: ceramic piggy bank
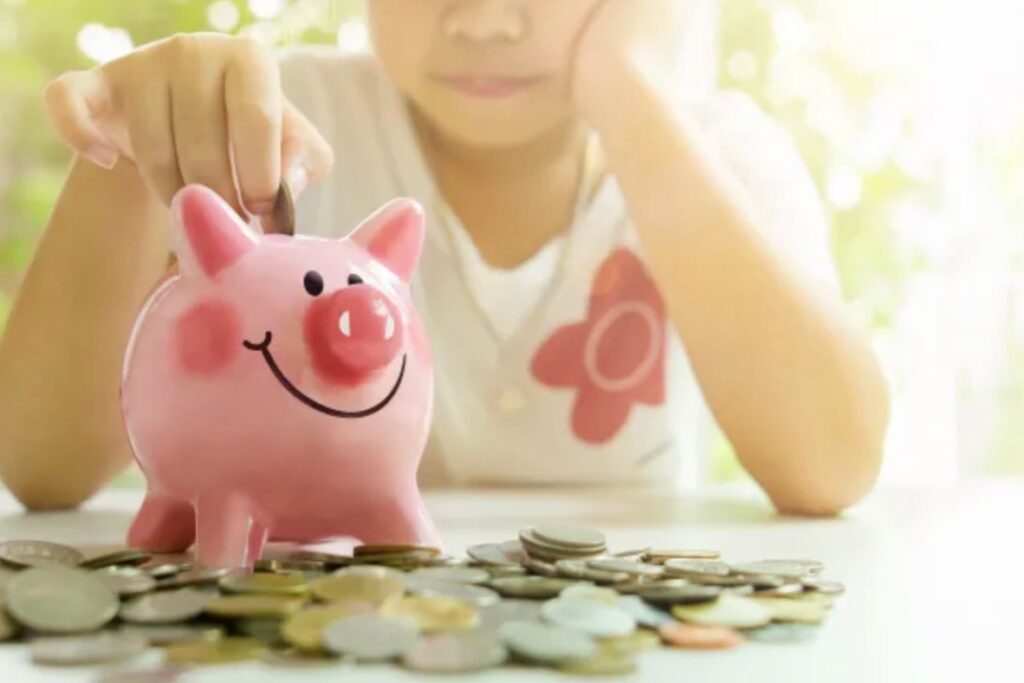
(279, 387)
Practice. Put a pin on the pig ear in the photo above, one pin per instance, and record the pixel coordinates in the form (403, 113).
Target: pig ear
(208, 234)
(394, 236)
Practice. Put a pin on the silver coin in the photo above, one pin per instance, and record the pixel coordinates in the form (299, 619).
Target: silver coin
(644, 614)
(165, 634)
(456, 653)
(593, 618)
(167, 569)
(8, 628)
(631, 567)
(39, 554)
(513, 609)
(537, 587)
(537, 547)
(127, 581)
(790, 569)
(545, 643)
(779, 591)
(91, 649)
(193, 577)
(129, 556)
(497, 554)
(687, 594)
(570, 536)
(826, 586)
(581, 569)
(782, 633)
(370, 637)
(61, 600)
(590, 592)
(471, 593)
(696, 568)
(540, 567)
(166, 607)
(453, 574)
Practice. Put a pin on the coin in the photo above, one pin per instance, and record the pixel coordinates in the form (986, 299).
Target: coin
(825, 586)
(571, 536)
(369, 637)
(91, 649)
(456, 653)
(589, 592)
(454, 574)
(267, 629)
(513, 609)
(604, 663)
(699, 637)
(127, 581)
(733, 611)
(621, 565)
(192, 577)
(305, 628)
(276, 584)
(60, 600)
(253, 606)
(166, 607)
(8, 628)
(660, 555)
(540, 567)
(221, 651)
(639, 640)
(593, 618)
(471, 593)
(544, 550)
(497, 554)
(432, 613)
(164, 634)
(167, 570)
(785, 609)
(537, 587)
(667, 595)
(393, 549)
(696, 568)
(39, 554)
(581, 569)
(790, 569)
(163, 674)
(347, 585)
(642, 613)
(545, 643)
(282, 216)
(129, 556)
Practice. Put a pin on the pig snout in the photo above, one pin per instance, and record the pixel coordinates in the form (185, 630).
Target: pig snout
(352, 333)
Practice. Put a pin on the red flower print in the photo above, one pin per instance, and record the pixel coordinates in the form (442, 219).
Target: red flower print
(616, 356)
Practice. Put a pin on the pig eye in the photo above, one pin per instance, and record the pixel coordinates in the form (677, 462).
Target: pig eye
(314, 283)
(354, 279)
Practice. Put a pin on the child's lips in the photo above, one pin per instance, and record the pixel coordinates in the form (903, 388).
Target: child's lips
(489, 86)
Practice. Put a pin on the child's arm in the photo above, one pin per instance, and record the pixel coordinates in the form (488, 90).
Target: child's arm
(189, 109)
(788, 375)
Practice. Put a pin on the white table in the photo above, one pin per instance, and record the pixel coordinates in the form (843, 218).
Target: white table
(934, 581)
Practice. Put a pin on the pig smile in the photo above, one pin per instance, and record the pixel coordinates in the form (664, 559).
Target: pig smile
(264, 348)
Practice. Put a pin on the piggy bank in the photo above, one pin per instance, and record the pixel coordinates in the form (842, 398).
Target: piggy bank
(279, 388)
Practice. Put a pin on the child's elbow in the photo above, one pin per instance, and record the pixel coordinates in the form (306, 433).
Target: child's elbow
(831, 490)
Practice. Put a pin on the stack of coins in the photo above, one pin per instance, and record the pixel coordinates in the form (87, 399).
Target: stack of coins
(554, 598)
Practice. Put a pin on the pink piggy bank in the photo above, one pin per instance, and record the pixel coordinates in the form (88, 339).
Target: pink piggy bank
(279, 387)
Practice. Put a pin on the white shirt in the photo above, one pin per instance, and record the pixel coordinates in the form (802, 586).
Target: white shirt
(563, 370)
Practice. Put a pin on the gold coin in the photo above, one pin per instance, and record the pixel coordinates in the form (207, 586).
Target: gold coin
(222, 651)
(432, 613)
(392, 549)
(787, 609)
(602, 664)
(261, 582)
(305, 629)
(253, 606)
(637, 641)
(365, 585)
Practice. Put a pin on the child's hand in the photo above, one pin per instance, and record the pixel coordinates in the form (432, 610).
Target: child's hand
(193, 108)
(625, 37)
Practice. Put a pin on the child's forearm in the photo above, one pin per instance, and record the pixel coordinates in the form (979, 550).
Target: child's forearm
(105, 246)
(789, 377)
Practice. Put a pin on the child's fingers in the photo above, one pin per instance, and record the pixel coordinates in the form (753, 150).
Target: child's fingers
(253, 99)
(201, 130)
(306, 157)
(70, 101)
(152, 140)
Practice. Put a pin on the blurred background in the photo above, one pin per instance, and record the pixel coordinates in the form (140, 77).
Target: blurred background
(909, 113)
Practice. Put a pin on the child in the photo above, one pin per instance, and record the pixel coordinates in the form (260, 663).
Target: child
(587, 222)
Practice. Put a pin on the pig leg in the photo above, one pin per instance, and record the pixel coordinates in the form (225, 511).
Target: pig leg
(404, 521)
(163, 525)
(230, 530)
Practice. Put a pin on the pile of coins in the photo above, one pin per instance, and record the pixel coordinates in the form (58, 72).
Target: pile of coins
(555, 597)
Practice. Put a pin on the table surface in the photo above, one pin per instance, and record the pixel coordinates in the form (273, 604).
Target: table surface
(932, 576)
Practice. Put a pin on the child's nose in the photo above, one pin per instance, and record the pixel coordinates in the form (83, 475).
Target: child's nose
(485, 20)
(352, 333)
